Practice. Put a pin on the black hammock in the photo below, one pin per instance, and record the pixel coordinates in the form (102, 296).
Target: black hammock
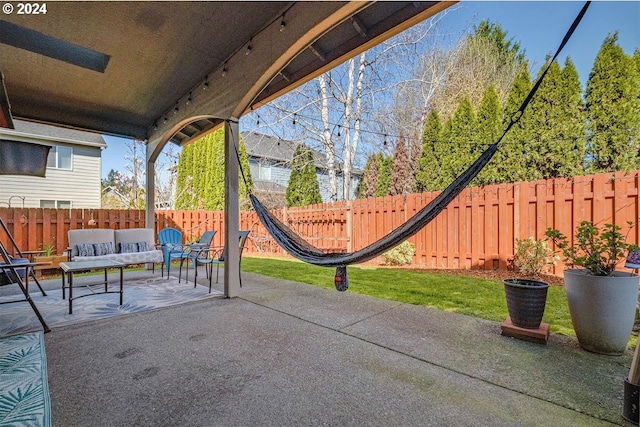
(304, 251)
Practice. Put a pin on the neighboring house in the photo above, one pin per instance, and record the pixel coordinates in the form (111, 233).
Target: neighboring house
(270, 163)
(73, 176)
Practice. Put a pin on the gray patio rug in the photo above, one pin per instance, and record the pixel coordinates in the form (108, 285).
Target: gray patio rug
(24, 389)
(139, 295)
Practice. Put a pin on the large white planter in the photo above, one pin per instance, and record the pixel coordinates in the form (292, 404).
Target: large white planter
(602, 309)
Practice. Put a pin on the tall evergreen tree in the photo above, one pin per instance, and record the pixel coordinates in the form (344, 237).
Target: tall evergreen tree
(517, 142)
(429, 165)
(401, 182)
(488, 129)
(303, 188)
(572, 130)
(385, 164)
(554, 150)
(185, 191)
(458, 146)
(613, 109)
(200, 181)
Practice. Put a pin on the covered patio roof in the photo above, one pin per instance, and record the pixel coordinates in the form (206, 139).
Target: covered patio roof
(133, 68)
(173, 71)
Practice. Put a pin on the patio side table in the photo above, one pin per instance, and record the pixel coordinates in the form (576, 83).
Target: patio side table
(71, 267)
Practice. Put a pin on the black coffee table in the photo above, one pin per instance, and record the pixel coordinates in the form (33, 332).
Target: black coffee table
(71, 267)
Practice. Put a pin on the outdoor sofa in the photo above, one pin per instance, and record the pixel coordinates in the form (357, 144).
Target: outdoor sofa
(127, 246)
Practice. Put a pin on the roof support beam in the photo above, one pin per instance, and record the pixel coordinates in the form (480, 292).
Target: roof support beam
(318, 52)
(359, 26)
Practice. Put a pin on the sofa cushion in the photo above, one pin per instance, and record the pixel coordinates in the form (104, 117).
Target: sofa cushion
(154, 255)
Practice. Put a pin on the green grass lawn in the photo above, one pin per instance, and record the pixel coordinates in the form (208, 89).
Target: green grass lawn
(468, 295)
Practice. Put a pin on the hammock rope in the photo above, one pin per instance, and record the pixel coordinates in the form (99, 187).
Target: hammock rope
(295, 245)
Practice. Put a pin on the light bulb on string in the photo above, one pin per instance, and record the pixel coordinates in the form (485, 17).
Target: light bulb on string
(294, 119)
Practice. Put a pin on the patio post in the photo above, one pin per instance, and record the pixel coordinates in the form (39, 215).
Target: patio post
(231, 210)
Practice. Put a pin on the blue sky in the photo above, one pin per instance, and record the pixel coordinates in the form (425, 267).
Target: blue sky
(538, 26)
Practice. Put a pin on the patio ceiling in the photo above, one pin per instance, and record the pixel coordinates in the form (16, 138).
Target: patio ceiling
(140, 69)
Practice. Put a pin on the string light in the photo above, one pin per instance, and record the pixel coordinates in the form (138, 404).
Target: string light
(175, 110)
(189, 99)
(294, 119)
(338, 130)
(282, 24)
(249, 47)
(224, 69)
(205, 85)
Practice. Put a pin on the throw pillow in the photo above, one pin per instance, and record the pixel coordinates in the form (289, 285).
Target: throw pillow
(128, 247)
(103, 248)
(86, 249)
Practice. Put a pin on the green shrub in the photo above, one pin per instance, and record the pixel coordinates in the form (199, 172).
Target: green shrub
(532, 256)
(400, 255)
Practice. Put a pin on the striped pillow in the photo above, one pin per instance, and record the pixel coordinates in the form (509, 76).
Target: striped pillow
(103, 248)
(86, 249)
(134, 247)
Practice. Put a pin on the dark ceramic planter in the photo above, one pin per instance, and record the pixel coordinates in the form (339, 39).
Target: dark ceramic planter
(526, 300)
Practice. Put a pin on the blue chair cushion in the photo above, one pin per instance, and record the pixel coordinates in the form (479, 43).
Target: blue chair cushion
(22, 272)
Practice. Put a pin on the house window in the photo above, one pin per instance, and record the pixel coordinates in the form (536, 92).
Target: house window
(60, 157)
(53, 204)
(260, 171)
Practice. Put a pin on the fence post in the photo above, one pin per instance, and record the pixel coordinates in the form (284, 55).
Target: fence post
(349, 226)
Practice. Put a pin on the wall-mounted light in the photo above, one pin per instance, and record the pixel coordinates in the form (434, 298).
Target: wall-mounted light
(249, 47)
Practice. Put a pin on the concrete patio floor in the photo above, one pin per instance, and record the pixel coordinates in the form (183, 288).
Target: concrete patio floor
(290, 354)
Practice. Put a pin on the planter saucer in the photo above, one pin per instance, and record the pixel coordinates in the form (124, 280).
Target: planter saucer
(538, 336)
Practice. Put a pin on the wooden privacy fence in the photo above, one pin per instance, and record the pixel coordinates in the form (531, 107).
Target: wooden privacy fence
(477, 230)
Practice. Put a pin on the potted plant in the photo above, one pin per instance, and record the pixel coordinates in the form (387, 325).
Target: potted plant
(602, 301)
(527, 297)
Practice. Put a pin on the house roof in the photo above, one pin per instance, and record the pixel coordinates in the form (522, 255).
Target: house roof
(43, 133)
(280, 150)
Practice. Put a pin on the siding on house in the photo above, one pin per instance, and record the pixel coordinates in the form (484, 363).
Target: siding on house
(81, 185)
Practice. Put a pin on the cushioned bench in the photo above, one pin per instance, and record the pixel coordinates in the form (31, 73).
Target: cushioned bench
(128, 246)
